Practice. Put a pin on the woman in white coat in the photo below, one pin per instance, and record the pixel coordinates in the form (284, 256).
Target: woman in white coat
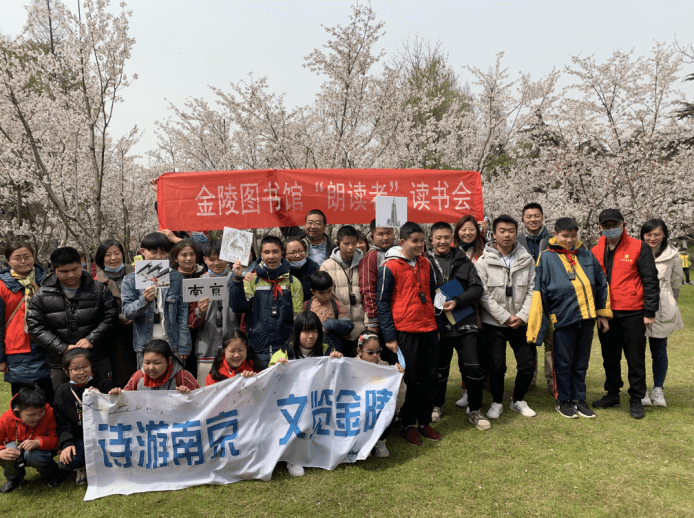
(655, 233)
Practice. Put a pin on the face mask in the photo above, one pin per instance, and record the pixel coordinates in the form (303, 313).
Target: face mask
(223, 274)
(612, 233)
(84, 265)
(198, 237)
(114, 270)
(298, 264)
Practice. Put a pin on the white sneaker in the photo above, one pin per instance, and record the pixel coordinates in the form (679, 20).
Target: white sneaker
(495, 411)
(436, 414)
(81, 476)
(523, 408)
(647, 400)
(658, 397)
(295, 470)
(462, 402)
(380, 449)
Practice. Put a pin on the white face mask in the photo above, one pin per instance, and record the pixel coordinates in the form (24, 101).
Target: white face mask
(298, 264)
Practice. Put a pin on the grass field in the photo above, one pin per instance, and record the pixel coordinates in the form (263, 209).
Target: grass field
(612, 466)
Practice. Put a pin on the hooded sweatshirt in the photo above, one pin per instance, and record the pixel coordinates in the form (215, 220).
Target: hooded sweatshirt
(13, 429)
(346, 282)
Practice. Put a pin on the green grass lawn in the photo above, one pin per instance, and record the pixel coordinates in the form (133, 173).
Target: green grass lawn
(612, 466)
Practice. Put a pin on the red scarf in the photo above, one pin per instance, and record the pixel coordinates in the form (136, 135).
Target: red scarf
(567, 253)
(228, 372)
(276, 288)
(158, 382)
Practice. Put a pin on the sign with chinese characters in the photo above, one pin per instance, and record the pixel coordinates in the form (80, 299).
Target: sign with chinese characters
(318, 412)
(391, 211)
(236, 245)
(154, 272)
(212, 288)
(211, 200)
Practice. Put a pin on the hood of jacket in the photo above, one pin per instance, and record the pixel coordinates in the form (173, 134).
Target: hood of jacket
(395, 252)
(379, 249)
(358, 256)
(262, 270)
(13, 284)
(19, 419)
(543, 233)
(667, 254)
(554, 245)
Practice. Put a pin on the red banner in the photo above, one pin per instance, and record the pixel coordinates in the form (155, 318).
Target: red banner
(211, 200)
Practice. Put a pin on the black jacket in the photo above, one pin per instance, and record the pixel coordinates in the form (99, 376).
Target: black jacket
(68, 411)
(55, 322)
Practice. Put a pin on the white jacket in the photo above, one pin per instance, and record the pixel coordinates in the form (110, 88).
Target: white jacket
(342, 274)
(497, 308)
(670, 275)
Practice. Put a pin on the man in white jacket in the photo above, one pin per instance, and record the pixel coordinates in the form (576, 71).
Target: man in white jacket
(507, 271)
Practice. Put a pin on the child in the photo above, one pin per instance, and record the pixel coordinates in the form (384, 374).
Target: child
(343, 267)
(161, 370)
(157, 313)
(236, 357)
(363, 243)
(383, 239)
(570, 290)
(369, 349)
(306, 341)
(330, 310)
(270, 300)
(406, 287)
(28, 438)
(68, 409)
(212, 319)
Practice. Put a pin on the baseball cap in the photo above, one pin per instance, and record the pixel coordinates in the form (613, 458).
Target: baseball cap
(610, 215)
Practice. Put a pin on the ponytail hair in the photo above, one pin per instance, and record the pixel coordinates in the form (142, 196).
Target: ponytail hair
(251, 355)
(161, 347)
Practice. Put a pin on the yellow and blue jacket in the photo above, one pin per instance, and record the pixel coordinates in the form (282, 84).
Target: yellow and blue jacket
(561, 300)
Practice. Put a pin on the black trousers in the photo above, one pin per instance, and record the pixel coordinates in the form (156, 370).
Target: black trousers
(525, 353)
(45, 384)
(421, 352)
(628, 334)
(467, 347)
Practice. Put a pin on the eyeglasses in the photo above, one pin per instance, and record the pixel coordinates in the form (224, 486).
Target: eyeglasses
(314, 223)
(372, 353)
(77, 370)
(295, 254)
(22, 259)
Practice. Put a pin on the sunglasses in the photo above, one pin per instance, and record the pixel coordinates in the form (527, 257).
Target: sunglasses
(372, 353)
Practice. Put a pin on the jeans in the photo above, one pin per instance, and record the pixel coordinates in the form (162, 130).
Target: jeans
(421, 352)
(627, 333)
(571, 356)
(468, 363)
(77, 459)
(659, 355)
(526, 357)
(42, 460)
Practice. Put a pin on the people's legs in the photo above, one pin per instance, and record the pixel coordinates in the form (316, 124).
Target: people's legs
(78, 460)
(46, 384)
(549, 374)
(473, 373)
(140, 357)
(409, 346)
(634, 336)
(565, 339)
(204, 367)
(611, 345)
(103, 367)
(496, 360)
(43, 461)
(264, 359)
(581, 358)
(446, 346)
(526, 358)
(660, 363)
(9, 467)
(686, 275)
(428, 359)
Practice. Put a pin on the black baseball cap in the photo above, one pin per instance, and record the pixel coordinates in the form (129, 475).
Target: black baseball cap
(610, 215)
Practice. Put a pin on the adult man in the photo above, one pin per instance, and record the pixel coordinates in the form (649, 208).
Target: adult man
(535, 239)
(320, 247)
(70, 310)
(634, 297)
(508, 273)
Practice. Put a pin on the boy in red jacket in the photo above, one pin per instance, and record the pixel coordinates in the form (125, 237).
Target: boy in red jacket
(28, 438)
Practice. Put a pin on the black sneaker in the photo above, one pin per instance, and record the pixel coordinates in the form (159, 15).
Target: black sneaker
(636, 409)
(583, 409)
(56, 480)
(566, 409)
(10, 486)
(607, 401)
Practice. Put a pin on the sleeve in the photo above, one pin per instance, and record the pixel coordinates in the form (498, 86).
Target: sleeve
(195, 321)
(134, 303)
(36, 324)
(602, 291)
(133, 381)
(524, 312)
(385, 285)
(109, 312)
(3, 358)
(240, 295)
(538, 318)
(63, 426)
(474, 291)
(675, 279)
(50, 440)
(187, 380)
(488, 303)
(368, 283)
(649, 279)
(297, 296)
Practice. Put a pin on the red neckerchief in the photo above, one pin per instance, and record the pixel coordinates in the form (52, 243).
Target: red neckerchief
(567, 253)
(276, 288)
(228, 372)
(150, 382)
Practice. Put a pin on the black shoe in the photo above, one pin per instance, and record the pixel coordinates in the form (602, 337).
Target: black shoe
(583, 409)
(607, 401)
(10, 486)
(636, 409)
(56, 480)
(566, 409)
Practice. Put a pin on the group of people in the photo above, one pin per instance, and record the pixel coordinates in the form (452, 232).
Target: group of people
(308, 296)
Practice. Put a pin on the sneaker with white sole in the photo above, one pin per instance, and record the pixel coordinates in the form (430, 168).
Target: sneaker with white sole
(522, 408)
(647, 400)
(658, 397)
(462, 402)
(436, 414)
(495, 411)
(479, 420)
(295, 470)
(380, 449)
(81, 476)
(583, 409)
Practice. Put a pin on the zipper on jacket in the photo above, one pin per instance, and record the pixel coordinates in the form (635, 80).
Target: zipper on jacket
(585, 293)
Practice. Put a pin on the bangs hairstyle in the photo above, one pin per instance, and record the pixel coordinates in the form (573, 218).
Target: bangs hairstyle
(533, 205)
(410, 228)
(321, 281)
(178, 248)
(13, 246)
(161, 347)
(29, 396)
(274, 240)
(251, 355)
(650, 226)
(103, 248)
(440, 225)
(75, 353)
(504, 218)
(306, 321)
(292, 239)
(212, 247)
(565, 225)
(347, 231)
(480, 241)
(65, 255)
(156, 241)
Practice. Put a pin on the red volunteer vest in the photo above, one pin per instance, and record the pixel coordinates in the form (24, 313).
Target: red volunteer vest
(409, 314)
(626, 290)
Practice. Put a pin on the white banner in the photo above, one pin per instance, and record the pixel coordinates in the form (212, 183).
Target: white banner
(313, 412)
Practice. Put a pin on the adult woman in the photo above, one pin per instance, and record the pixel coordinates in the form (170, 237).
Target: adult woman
(22, 360)
(468, 238)
(111, 269)
(655, 233)
(301, 266)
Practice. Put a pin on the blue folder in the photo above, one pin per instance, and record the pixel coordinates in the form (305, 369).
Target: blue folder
(451, 290)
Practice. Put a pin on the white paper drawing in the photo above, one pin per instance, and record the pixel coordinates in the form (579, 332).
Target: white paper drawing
(236, 245)
(152, 272)
(212, 288)
(391, 211)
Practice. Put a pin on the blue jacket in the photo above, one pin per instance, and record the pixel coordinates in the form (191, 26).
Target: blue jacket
(141, 312)
(23, 367)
